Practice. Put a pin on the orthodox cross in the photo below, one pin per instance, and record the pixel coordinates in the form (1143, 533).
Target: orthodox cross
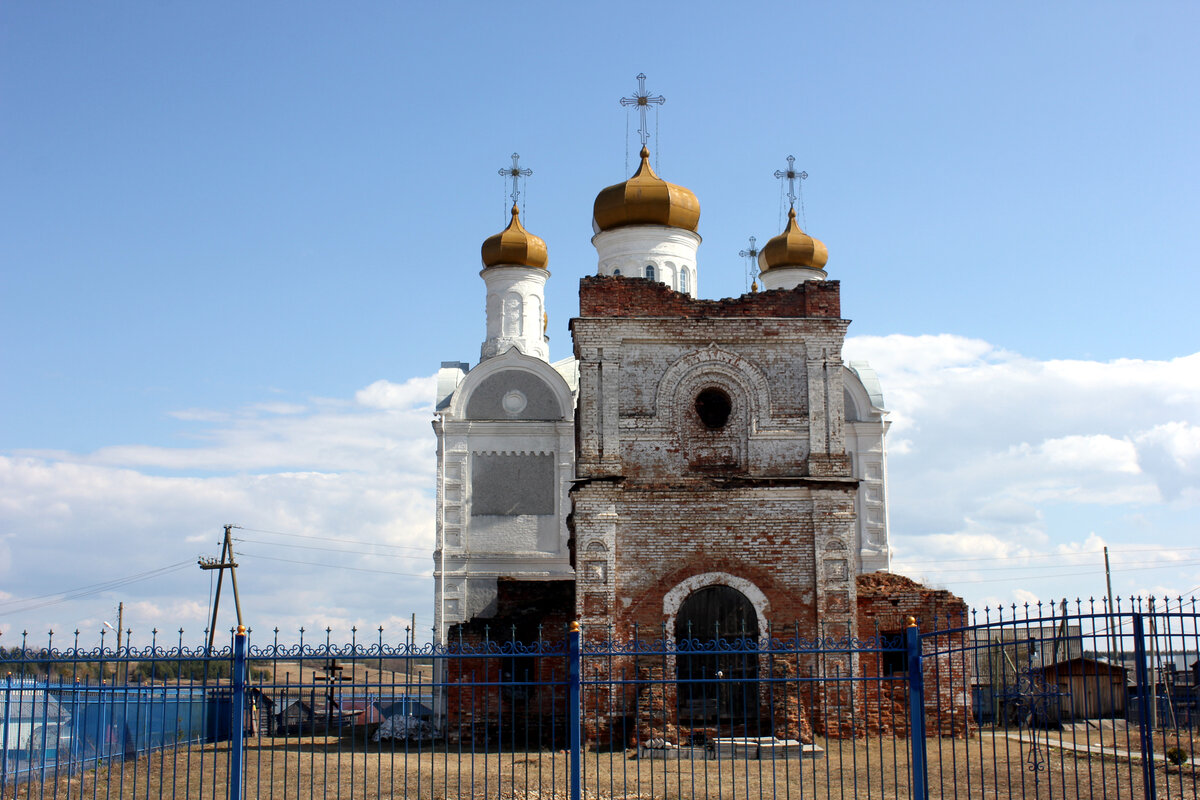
(515, 173)
(792, 177)
(643, 100)
(751, 256)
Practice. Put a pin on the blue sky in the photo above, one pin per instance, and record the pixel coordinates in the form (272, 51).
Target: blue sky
(222, 226)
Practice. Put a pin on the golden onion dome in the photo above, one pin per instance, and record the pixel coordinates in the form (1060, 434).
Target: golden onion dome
(646, 199)
(514, 246)
(793, 248)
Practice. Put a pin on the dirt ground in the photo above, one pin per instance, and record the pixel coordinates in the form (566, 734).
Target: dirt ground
(989, 766)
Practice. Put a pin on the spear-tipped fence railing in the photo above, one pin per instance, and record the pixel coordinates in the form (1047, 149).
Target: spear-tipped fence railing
(1060, 701)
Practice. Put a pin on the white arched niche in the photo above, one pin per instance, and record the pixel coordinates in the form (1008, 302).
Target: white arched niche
(673, 600)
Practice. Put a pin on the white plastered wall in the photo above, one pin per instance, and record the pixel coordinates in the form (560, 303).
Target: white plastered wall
(515, 305)
(630, 249)
(472, 552)
(866, 430)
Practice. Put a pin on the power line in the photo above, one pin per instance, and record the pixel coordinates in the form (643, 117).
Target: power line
(15, 606)
(1125, 568)
(346, 541)
(1051, 555)
(1058, 574)
(331, 549)
(244, 554)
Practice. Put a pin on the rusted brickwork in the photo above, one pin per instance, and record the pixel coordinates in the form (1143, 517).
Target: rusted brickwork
(670, 501)
(477, 702)
(616, 296)
(885, 602)
(789, 700)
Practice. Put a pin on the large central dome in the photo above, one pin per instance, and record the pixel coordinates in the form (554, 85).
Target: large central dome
(646, 199)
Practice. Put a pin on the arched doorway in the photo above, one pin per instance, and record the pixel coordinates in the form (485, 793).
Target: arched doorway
(716, 635)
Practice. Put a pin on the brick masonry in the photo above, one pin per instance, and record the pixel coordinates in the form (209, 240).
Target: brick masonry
(618, 296)
(885, 603)
(666, 504)
(477, 706)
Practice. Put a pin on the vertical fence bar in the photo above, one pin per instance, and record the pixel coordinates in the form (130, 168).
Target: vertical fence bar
(4, 753)
(573, 710)
(916, 710)
(1144, 701)
(237, 732)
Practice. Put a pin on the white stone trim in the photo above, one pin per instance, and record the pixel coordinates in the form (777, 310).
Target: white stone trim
(709, 362)
(513, 359)
(673, 599)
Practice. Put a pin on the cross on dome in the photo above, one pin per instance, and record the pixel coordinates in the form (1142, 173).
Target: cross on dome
(643, 100)
(792, 176)
(751, 256)
(515, 173)
(752, 251)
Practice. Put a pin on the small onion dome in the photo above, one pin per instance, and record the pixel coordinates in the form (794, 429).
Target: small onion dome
(793, 248)
(514, 246)
(646, 199)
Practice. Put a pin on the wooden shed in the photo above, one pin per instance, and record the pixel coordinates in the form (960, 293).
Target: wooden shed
(1090, 688)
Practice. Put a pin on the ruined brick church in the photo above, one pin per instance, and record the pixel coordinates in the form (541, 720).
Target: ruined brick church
(698, 467)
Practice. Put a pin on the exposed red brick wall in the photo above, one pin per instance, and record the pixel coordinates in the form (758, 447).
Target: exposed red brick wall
(620, 296)
(668, 535)
(885, 601)
(475, 706)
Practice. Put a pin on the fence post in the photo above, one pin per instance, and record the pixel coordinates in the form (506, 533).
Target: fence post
(4, 753)
(916, 710)
(237, 742)
(574, 721)
(1144, 701)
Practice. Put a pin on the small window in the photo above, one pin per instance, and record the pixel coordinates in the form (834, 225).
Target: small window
(650, 271)
(683, 280)
(616, 272)
(713, 407)
(893, 660)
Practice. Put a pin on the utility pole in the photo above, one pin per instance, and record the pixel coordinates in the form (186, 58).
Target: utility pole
(1112, 640)
(1060, 633)
(225, 562)
(121, 626)
(1154, 669)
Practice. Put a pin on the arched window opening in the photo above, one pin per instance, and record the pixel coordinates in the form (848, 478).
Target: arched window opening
(650, 271)
(683, 280)
(617, 271)
(713, 407)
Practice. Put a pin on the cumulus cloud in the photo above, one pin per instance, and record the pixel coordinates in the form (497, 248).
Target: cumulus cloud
(1171, 453)
(349, 483)
(413, 393)
(993, 455)
(1008, 476)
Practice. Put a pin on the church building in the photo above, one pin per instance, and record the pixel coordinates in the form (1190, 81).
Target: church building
(696, 468)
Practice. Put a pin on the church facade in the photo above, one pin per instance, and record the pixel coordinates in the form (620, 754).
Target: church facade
(698, 467)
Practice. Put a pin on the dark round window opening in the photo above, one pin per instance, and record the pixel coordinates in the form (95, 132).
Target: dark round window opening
(713, 407)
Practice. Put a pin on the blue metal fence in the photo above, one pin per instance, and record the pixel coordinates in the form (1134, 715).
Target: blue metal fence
(1033, 702)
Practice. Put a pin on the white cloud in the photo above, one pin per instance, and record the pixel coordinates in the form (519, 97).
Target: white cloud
(995, 461)
(357, 471)
(1171, 452)
(1097, 452)
(995, 455)
(415, 392)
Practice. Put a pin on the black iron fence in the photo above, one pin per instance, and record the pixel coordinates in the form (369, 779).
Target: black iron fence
(1034, 702)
